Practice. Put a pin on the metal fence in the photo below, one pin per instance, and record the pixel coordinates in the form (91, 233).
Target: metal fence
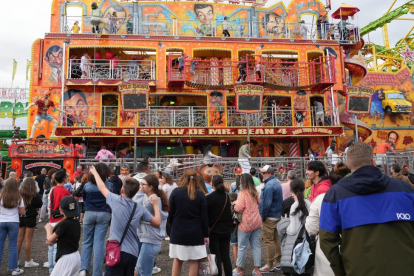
(154, 26)
(281, 165)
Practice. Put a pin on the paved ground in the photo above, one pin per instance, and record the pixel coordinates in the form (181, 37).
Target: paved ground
(39, 255)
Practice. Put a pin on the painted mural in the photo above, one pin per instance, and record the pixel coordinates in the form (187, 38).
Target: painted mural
(401, 86)
(217, 114)
(186, 18)
(54, 59)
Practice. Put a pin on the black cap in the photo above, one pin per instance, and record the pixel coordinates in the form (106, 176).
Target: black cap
(69, 206)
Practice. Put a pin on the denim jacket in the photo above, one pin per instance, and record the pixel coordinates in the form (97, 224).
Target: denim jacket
(93, 198)
(271, 199)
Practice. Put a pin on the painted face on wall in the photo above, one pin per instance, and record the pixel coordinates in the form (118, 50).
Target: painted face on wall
(392, 137)
(119, 20)
(275, 24)
(76, 107)
(55, 58)
(205, 15)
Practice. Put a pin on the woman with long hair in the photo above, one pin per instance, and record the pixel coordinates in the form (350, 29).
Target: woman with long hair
(247, 204)
(289, 228)
(151, 237)
(220, 223)
(207, 155)
(32, 201)
(168, 184)
(202, 184)
(11, 205)
(322, 266)
(189, 224)
(95, 222)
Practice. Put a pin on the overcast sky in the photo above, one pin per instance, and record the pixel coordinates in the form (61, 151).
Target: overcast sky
(31, 21)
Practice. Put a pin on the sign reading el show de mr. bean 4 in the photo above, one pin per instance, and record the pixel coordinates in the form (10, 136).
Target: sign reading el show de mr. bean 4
(201, 132)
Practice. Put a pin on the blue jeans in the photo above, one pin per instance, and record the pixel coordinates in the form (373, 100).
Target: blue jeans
(244, 239)
(44, 206)
(10, 229)
(51, 256)
(147, 257)
(95, 226)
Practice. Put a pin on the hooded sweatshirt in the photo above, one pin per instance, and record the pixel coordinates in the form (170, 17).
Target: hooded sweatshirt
(146, 232)
(372, 217)
(320, 188)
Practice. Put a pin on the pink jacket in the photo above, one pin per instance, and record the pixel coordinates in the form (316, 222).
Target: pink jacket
(101, 153)
(321, 188)
(249, 208)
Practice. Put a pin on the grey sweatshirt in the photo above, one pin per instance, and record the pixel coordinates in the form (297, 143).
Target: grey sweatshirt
(146, 232)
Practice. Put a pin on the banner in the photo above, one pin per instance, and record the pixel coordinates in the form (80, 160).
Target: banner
(14, 69)
(14, 93)
(223, 132)
(13, 110)
(29, 64)
(45, 150)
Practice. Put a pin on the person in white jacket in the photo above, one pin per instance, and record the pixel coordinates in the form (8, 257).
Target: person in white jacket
(322, 265)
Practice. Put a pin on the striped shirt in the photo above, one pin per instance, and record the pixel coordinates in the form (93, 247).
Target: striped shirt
(249, 208)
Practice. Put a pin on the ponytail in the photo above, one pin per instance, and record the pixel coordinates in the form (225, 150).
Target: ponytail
(298, 188)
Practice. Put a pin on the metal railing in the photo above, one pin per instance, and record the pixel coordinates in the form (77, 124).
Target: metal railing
(197, 116)
(284, 117)
(158, 116)
(112, 69)
(217, 72)
(343, 32)
(281, 164)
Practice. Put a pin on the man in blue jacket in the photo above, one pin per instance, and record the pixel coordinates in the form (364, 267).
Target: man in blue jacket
(270, 208)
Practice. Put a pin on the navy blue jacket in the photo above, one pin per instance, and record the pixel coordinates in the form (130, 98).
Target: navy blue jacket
(371, 216)
(93, 198)
(271, 199)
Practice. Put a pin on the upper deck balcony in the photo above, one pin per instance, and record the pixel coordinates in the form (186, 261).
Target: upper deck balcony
(150, 26)
(215, 73)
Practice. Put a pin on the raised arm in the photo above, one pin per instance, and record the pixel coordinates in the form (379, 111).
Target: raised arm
(101, 185)
(29, 106)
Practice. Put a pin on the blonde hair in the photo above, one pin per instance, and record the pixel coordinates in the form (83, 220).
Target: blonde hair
(190, 180)
(358, 155)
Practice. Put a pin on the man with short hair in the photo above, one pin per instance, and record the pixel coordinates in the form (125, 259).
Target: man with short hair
(12, 175)
(40, 179)
(396, 173)
(79, 171)
(270, 209)
(316, 172)
(29, 174)
(371, 216)
(286, 186)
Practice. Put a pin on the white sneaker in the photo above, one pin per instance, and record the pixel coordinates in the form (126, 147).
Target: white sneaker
(17, 271)
(156, 270)
(167, 238)
(40, 220)
(30, 264)
(46, 264)
(82, 273)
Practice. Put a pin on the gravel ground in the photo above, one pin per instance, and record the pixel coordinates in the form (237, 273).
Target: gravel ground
(39, 255)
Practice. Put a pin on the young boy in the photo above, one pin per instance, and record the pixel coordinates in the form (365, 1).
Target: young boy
(122, 206)
(67, 235)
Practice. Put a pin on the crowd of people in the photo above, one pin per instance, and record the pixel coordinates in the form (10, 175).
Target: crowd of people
(352, 220)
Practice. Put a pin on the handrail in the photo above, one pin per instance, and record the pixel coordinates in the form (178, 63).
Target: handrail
(197, 116)
(343, 32)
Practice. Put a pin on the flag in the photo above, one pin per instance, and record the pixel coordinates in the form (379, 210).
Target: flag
(14, 68)
(29, 64)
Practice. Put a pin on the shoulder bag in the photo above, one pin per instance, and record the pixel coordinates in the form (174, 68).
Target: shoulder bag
(113, 247)
(54, 213)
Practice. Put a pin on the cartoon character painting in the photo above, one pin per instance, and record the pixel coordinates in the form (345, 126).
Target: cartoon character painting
(76, 107)
(54, 57)
(274, 24)
(113, 19)
(216, 110)
(205, 15)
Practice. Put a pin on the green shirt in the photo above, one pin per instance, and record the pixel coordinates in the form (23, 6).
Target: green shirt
(256, 181)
